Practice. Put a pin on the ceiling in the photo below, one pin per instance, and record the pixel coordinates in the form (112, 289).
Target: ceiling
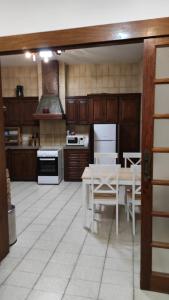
(128, 53)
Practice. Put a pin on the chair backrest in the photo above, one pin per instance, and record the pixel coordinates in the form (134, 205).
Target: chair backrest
(134, 158)
(105, 158)
(136, 183)
(104, 178)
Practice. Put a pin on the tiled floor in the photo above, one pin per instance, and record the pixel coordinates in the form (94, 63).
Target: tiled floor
(56, 259)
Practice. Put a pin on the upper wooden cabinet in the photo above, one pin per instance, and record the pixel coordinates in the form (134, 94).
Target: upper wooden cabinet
(77, 110)
(129, 108)
(19, 111)
(104, 108)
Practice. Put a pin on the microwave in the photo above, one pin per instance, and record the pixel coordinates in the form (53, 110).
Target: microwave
(75, 140)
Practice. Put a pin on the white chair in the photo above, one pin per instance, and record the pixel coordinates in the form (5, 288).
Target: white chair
(134, 196)
(105, 158)
(104, 188)
(134, 158)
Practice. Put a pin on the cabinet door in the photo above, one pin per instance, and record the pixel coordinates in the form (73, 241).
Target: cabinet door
(22, 165)
(75, 162)
(83, 111)
(12, 112)
(71, 111)
(30, 162)
(129, 139)
(112, 109)
(28, 109)
(99, 109)
(129, 108)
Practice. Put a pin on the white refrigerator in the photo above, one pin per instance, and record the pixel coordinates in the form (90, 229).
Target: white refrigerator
(105, 140)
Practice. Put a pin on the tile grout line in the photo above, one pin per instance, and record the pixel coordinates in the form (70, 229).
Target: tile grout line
(69, 279)
(17, 188)
(55, 248)
(50, 189)
(109, 236)
(69, 199)
(24, 197)
(40, 211)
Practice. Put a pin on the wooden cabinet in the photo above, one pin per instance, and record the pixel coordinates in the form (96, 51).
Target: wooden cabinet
(129, 108)
(129, 124)
(77, 110)
(19, 111)
(22, 164)
(12, 112)
(75, 161)
(104, 108)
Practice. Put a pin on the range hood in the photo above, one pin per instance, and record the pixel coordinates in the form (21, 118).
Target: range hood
(50, 107)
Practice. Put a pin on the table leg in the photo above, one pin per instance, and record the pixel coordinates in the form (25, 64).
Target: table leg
(85, 203)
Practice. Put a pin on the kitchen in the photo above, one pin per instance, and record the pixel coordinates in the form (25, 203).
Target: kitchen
(97, 92)
(53, 212)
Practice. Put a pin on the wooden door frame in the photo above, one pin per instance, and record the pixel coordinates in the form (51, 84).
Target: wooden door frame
(4, 238)
(150, 280)
(125, 32)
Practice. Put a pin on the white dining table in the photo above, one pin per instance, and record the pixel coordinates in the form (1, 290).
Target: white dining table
(125, 179)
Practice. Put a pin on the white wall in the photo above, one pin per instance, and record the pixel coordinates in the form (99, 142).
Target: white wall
(19, 16)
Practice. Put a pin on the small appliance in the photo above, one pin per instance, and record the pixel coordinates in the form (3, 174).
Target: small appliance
(76, 140)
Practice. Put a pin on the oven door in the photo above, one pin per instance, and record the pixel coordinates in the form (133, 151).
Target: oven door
(47, 166)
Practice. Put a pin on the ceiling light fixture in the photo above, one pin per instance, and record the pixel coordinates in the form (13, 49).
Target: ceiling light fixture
(45, 55)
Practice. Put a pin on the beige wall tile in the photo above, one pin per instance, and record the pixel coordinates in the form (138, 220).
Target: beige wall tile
(103, 78)
(19, 75)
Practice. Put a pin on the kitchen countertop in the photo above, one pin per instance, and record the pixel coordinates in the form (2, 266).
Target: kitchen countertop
(21, 147)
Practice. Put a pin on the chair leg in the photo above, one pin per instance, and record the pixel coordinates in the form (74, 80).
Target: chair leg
(92, 213)
(133, 218)
(128, 216)
(117, 219)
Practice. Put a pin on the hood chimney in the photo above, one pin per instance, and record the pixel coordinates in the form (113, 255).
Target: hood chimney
(50, 107)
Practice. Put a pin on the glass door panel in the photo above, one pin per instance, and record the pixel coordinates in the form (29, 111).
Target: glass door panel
(162, 65)
(160, 260)
(161, 102)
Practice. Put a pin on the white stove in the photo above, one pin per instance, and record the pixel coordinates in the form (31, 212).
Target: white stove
(49, 165)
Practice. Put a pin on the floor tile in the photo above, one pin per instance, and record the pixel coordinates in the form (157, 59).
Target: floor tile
(94, 250)
(69, 248)
(119, 264)
(72, 297)
(22, 279)
(32, 266)
(38, 295)
(117, 278)
(58, 270)
(90, 261)
(17, 252)
(83, 288)
(145, 295)
(115, 292)
(64, 258)
(38, 254)
(51, 284)
(89, 274)
(12, 292)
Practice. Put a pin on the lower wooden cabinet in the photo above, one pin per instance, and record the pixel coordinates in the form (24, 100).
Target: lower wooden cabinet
(22, 164)
(75, 161)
